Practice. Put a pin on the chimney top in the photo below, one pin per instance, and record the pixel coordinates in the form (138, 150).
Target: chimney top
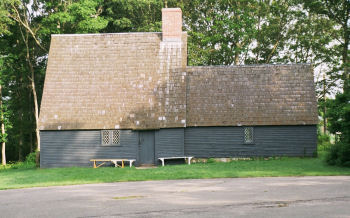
(172, 24)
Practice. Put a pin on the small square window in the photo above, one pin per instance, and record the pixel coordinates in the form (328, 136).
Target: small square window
(110, 137)
(248, 135)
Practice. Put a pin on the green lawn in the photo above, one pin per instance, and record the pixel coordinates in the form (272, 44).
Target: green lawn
(32, 177)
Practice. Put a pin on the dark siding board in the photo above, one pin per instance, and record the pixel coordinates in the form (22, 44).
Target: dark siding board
(76, 148)
(169, 143)
(268, 141)
(287, 140)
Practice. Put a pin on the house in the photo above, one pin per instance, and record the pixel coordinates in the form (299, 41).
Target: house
(132, 95)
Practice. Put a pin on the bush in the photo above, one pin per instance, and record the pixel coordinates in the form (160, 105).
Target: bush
(31, 158)
(211, 160)
(323, 139)
(27, 164)
(339, 154)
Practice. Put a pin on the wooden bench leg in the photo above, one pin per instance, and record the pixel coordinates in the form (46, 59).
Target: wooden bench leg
(122, 164)
(162, 159)
(189, 160)
(115, 163)
(94, 164)
(101, 164)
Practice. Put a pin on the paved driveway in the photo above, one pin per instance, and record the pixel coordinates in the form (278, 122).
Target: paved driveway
(244, 197)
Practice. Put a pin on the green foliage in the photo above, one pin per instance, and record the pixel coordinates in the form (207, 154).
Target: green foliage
(339, 119)
(29, 163)
(323, 138)
(339, 154)
(219, 31)
(133, 15)
(31, 158)
(339, 115)
(323, 142)
(5, 21)
(81, 16)
(211, 160)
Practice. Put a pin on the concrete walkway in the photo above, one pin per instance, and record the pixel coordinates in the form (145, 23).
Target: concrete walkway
(243, 197)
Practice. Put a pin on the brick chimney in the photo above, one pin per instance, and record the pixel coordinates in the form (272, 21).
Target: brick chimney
(172, 24)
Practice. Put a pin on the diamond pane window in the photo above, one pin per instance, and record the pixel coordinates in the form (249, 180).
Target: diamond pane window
(110, 137)
(105, 137)
(248, 135)
(115, 137)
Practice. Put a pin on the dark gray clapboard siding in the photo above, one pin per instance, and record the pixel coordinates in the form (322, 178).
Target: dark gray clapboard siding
(169, 143)
(76, 148)
(268, 141)
(286, 140)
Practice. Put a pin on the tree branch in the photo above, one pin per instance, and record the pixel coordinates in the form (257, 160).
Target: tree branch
(26, 25)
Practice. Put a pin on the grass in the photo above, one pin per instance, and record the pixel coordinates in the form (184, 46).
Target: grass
(26, 176)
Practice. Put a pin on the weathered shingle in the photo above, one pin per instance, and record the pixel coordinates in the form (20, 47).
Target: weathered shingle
(251, 95)
(137, 81)
(127, 80)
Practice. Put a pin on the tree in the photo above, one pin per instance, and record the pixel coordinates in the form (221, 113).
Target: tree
(3, 136)
(337, 11)
(219, 31)
(274, 21)
(25, 18)
(133, 15)
(339, 119)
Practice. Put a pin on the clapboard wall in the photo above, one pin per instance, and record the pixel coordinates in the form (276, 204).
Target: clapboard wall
(76, 148)
(208, 142)
(169, 143)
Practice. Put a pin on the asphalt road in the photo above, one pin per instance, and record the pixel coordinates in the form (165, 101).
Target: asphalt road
(243, 197)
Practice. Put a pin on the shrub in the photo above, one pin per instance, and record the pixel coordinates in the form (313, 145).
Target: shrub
(211, 160)
(28, 163)
(323, 138)
(31, 158)
(339, 154)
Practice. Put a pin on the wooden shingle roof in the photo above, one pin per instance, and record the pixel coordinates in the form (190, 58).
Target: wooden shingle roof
(107, 81)
(251, 95)
(137, 81)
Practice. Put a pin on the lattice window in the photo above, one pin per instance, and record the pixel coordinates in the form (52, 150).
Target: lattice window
(115, 137)
(248, 135)
(105, 135)
(110, 137)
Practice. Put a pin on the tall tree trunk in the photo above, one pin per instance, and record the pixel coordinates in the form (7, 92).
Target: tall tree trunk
(236, 58)
(345, 58)
(36, 113)
(324, 106)
(30, 109)
(20, 147)
(237, 52)
(20, 141)
(36, 108)
(35, 98)
(3, 144)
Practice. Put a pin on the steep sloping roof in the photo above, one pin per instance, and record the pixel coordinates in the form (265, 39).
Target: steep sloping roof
(107, 81)
(251, 95)
(137, 81)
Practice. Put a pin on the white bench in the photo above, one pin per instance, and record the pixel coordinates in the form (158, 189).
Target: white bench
(169, 158)
(115, 161)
